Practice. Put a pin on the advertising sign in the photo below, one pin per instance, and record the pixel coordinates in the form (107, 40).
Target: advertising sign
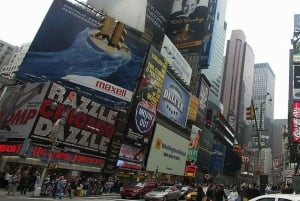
(193, 150)
(193, 107)
(156, 20)
(174, 101)
(19, 106)
(207, 39)
(75, 121)
(296, 22)
(296, 122)
(187, 25)
(168, 152)
(217, 155)
(296, 47)
(146, 99)
(296, 87)
(71, 48)
(203, 97)
(177, 62)
(133, 15)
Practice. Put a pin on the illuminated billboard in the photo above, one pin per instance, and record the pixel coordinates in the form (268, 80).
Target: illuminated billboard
(296, 22)
(177, 62)
(296, 122)
(78, 123)
(71, 47)
(143, 113)
(19, 106)
(174, 101)
(186, 26)
(296, 47)
(168, 152)
(296, 82)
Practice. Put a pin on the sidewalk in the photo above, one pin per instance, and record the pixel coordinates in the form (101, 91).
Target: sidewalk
(3, 193)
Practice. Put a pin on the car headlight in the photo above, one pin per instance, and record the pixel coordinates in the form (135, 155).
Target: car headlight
(136, 191)
(188, 195)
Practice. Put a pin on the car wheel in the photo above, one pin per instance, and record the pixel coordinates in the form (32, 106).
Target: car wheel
(140, 196)
(177, 198)
(165, 198)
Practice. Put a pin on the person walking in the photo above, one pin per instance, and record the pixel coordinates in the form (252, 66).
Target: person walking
(13, 183)
(200, 193)
(233, 195)
(59, 190)
(220, 193)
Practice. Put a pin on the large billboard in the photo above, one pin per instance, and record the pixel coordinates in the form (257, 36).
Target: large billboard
(143, 114)
(296, 81)
(206, 52)
(19, 106)
(296, 47)
(76, 122)
(174, 101)
(203, 94)
(73, 48)
(187, 25)
(296, 22)
(168, 152)
(147, 16)
(296, 122)
(177, 62)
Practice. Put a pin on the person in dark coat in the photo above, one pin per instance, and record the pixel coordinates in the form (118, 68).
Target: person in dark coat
(220, 193)
(200, 193)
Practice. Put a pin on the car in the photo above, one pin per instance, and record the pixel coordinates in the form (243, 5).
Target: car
(277, 197)
(185, 189)
(137, 189)
(191, 196)
(163, 193)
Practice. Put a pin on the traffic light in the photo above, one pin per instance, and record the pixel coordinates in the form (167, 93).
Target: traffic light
(118, 35)
(250, 112)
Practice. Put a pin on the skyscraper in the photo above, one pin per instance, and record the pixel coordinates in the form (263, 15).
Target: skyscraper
(237, 79)
(263, 96)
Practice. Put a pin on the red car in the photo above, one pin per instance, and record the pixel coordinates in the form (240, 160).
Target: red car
(137, 190)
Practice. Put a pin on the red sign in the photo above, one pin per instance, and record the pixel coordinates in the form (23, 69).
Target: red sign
(67, 156)
(10, 148)
(296, 122)
(190, 170)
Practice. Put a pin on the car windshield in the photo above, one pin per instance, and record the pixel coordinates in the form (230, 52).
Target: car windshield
(138, 184)
(161, 188)
(184, 188)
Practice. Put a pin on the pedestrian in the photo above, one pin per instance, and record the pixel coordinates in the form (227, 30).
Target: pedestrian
(24, 184)
(233, 195)
(220, 193)
(59, 187)
(200, 193)
(13, 183)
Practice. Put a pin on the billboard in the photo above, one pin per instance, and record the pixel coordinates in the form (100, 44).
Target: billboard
(71, 48)
(133, 15)
(168, 152)
(147, 16)
(187, 25)
(296, 47)
(296, 22)
(205, 58)
(177, 62)
(194, 146)
(77, 122)
(296, 122)
(19, 107)
(216, 161)
(203, 93)
(146, 99)
(174, 101)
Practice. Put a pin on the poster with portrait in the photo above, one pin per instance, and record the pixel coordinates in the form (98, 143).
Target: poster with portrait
(187, 24)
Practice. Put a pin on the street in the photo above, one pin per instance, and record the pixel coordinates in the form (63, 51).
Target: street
(115, 197)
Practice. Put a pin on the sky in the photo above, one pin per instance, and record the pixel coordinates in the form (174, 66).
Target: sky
(267, 24)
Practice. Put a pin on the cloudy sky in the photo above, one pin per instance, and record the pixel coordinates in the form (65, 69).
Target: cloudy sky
(267, 24)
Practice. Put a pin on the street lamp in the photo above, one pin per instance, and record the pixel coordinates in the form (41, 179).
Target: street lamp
(262, 109)
(56, 128)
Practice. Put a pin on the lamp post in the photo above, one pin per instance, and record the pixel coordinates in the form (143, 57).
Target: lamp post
(261, 116)
(56, 128)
